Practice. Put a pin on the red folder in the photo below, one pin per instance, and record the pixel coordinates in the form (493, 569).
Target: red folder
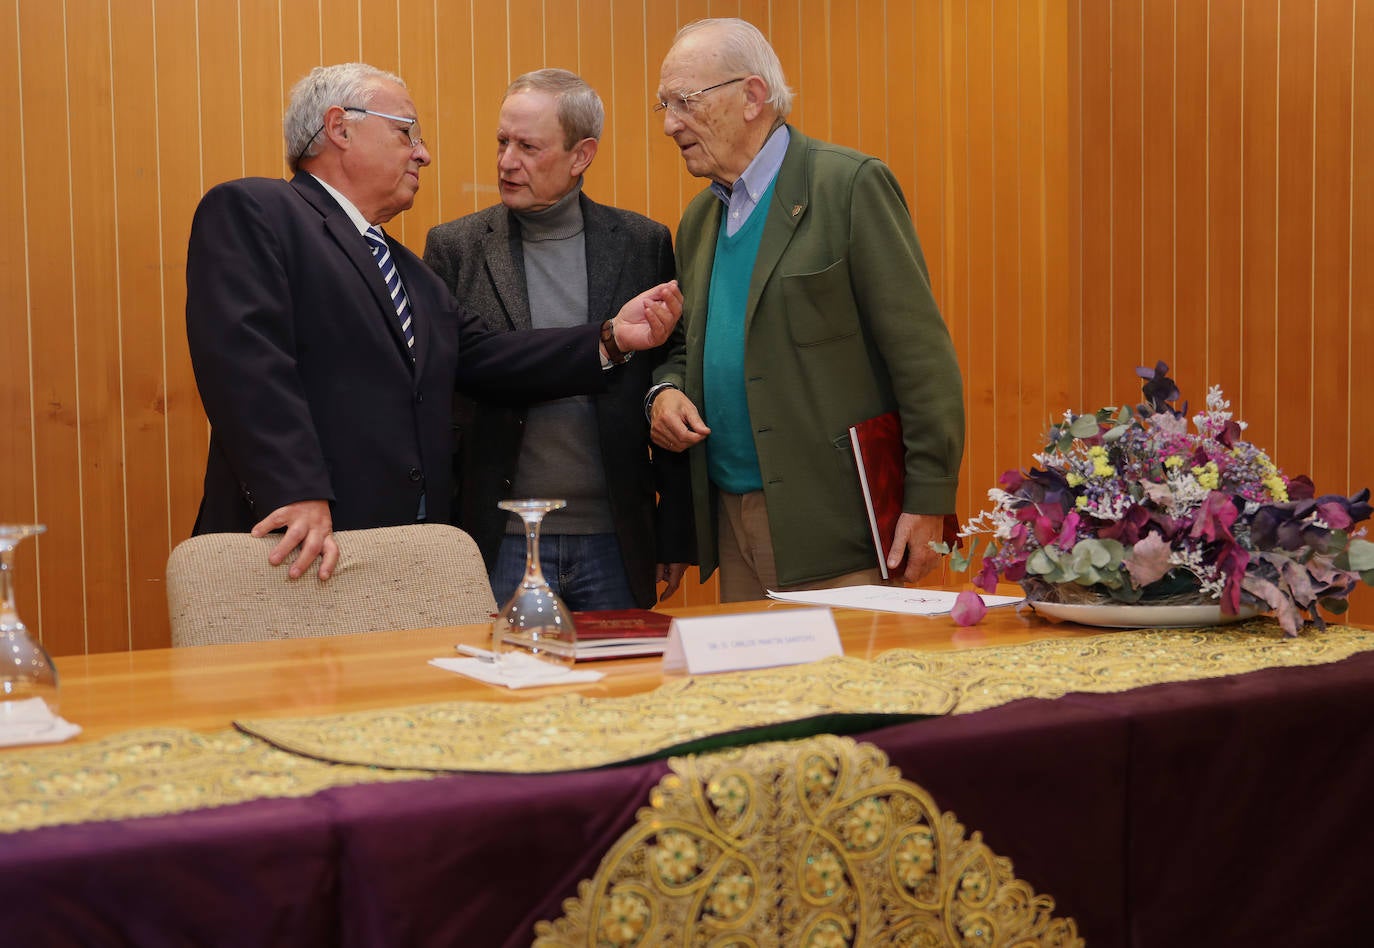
(880, 456)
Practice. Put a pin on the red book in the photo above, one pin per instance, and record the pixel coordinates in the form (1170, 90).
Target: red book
(880, 456)
(620, 633)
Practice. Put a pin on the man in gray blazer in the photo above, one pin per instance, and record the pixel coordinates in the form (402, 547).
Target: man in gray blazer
(549, 256)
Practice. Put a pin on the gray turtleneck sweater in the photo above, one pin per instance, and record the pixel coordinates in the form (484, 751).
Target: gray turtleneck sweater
(560, 455)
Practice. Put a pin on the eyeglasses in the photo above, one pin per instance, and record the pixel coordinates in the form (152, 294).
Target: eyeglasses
(680, 103)
(412, 125)
(411, 130)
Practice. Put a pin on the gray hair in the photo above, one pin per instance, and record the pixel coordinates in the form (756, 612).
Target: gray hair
(580, 112)
(319, 91)
(743, 50)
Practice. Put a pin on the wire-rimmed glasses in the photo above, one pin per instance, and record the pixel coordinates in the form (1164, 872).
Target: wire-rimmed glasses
(412, 125)
(680, 103)
(411, 130)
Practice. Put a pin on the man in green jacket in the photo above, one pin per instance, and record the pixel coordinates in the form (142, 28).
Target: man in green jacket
(807, 309)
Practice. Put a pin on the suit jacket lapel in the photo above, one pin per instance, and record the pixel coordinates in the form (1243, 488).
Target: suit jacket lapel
(785, 212)
(340, 227)
(605, 247)
(367, 263)
(504, 269)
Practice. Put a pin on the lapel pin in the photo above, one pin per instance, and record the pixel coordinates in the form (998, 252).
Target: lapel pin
(796, 209)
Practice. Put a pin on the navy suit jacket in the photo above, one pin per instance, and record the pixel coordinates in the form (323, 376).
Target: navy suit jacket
(479, 258)
(304, 374)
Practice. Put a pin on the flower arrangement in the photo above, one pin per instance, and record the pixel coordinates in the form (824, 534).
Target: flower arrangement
(1129, 505)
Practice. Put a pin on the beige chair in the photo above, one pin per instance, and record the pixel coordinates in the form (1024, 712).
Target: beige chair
(220, 587)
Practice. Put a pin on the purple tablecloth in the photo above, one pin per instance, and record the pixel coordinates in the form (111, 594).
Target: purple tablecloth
(1229, 811)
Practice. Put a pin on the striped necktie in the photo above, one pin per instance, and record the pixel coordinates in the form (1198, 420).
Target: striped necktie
(382, 253)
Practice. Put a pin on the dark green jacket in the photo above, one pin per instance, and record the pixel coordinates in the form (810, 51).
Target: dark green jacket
(840, 326)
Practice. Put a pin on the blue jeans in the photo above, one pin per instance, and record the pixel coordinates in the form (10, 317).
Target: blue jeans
(585, 571)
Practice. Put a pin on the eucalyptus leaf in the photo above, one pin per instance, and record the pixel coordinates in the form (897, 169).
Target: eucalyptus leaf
(1084, 426)
(1040, 563)
(1361, 556)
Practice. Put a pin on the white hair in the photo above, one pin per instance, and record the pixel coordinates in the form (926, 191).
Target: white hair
(344, 84)
(744, 50)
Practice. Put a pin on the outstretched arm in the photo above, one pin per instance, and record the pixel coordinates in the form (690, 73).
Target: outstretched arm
(647, 320)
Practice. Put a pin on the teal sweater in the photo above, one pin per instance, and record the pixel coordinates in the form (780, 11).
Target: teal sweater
(730, 454)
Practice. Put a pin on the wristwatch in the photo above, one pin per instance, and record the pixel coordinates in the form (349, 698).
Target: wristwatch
(613, 351)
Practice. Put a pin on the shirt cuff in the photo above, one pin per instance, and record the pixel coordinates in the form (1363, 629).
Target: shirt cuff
(653, 393)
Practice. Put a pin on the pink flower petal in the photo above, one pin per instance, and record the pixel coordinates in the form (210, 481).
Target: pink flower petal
(969, 608)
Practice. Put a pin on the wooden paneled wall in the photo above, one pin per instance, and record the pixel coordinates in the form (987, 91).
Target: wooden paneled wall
(1225, 180)
(1096, 184)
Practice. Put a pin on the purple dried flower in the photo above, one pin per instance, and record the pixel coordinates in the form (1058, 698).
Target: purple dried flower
(1168, 509)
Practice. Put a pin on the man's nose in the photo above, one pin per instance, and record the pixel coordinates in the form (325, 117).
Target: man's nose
(671, 122)
(422, 156)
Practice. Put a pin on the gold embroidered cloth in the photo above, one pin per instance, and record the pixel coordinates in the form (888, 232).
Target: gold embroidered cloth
(167, 770)
(572, 733)
(156, 771)
(815, 843)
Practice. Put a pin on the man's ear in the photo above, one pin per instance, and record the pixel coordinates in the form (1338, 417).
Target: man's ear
(755, 97)
(336, 126)
(583, 153)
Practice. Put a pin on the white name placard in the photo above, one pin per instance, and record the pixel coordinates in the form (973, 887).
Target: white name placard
(705, 644)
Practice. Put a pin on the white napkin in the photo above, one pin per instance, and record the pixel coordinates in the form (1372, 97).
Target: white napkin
(516, 671)
(31, 722)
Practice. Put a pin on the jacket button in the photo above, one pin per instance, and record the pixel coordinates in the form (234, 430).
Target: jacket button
(507, 483)
(415, 474)
(419, 398)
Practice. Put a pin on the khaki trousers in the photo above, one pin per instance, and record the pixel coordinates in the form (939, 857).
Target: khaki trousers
(747, 568)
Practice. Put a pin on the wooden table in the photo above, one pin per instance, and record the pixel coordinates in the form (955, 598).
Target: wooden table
(1215, 812)
(206, 688)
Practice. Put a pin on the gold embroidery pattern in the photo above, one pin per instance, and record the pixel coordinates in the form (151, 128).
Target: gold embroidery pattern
(815, 843)
(1114, 662)
(571, 732)
(158, 771)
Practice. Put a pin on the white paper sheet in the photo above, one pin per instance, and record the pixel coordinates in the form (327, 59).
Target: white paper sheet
(914, 602)
(516, 671)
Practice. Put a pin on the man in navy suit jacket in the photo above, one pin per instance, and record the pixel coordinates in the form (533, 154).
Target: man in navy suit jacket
(325, 410)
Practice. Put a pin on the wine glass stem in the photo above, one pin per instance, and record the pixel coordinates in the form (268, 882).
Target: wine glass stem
(534, 573)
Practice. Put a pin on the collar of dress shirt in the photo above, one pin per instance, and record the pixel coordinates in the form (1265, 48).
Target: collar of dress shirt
(355, 215)
(749, 187)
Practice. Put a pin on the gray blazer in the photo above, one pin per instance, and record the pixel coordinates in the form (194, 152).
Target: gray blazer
(479, 258)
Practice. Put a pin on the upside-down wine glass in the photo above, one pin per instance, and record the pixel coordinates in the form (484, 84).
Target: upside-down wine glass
(26, 671)
(535, 622)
